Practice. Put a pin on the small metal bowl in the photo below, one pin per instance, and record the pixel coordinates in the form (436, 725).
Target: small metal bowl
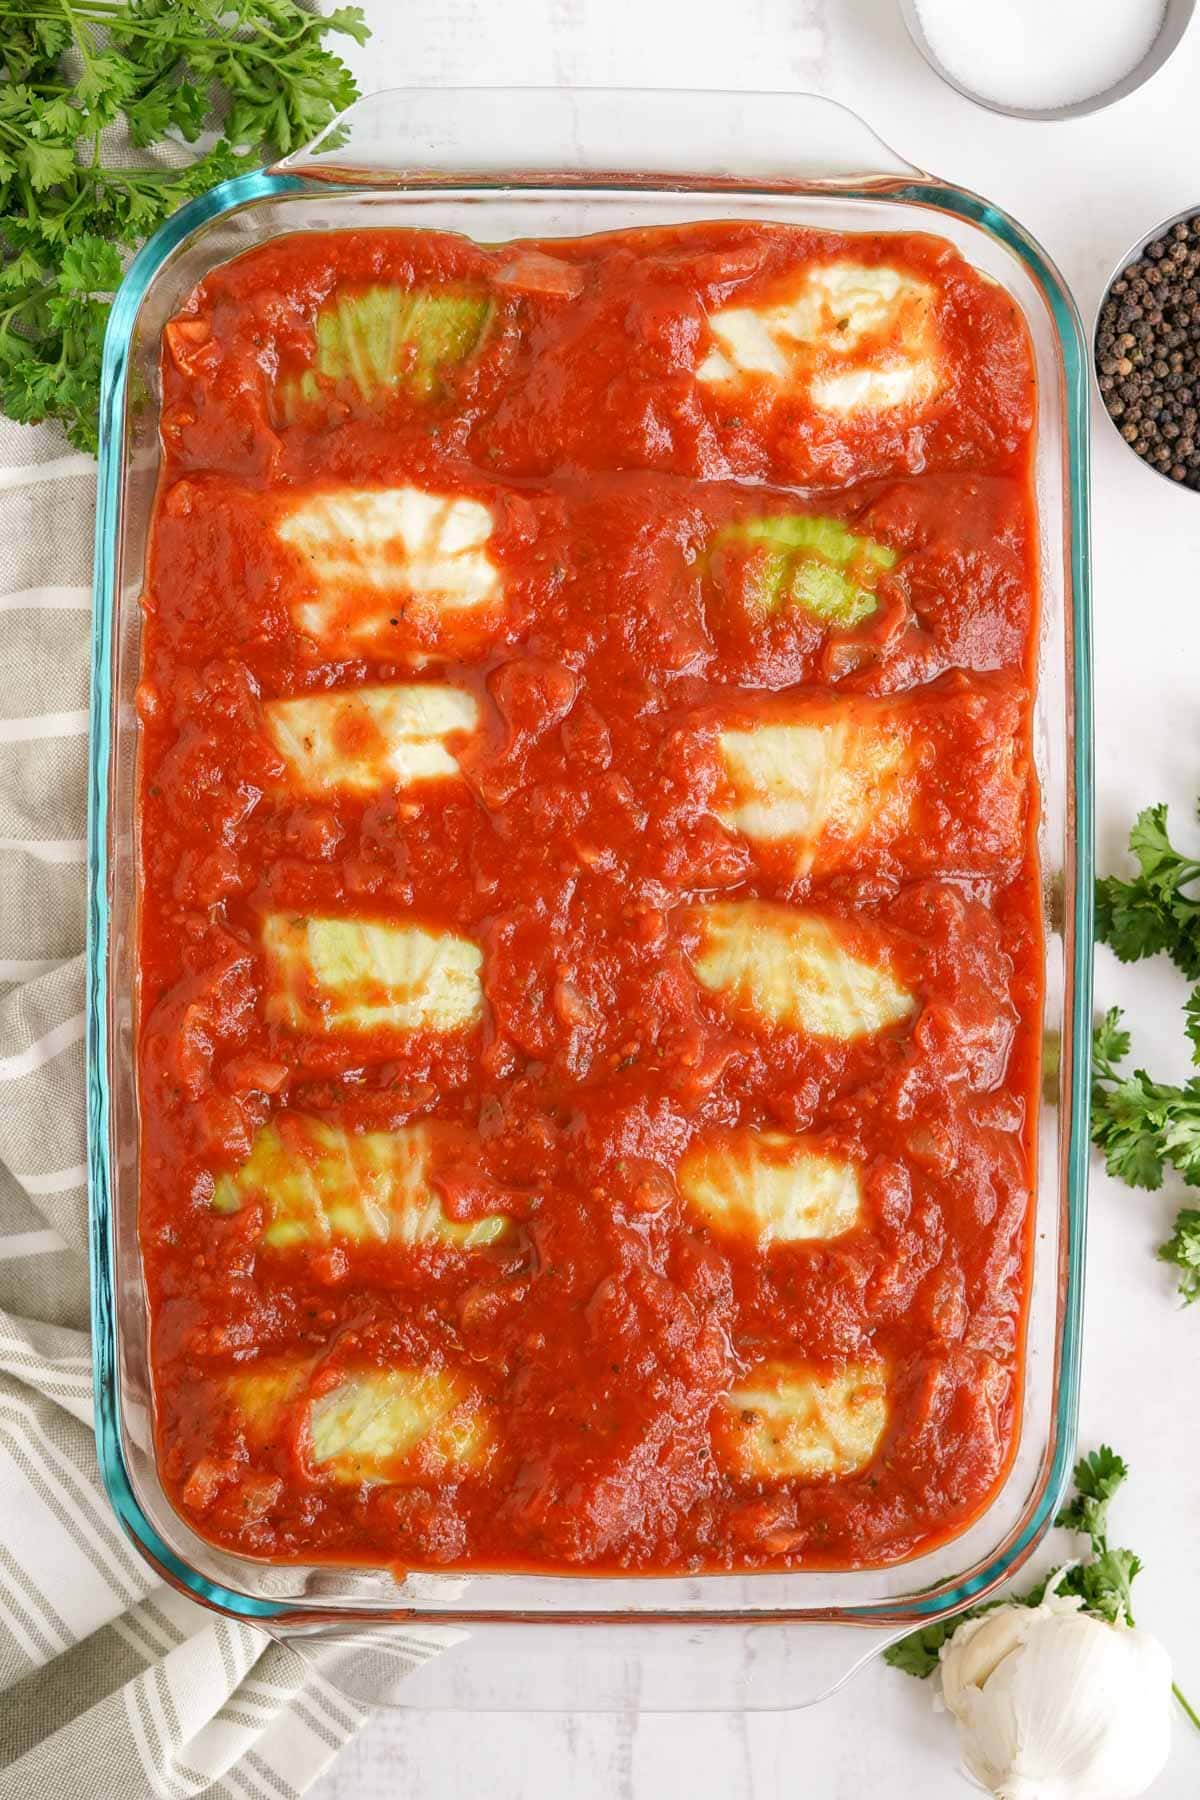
(1134, 254)
(1176, 19)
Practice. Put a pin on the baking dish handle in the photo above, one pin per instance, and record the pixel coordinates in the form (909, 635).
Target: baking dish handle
(554, 1666)
(560, 137)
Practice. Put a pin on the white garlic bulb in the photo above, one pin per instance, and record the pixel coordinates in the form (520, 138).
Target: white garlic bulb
(1053, 1704)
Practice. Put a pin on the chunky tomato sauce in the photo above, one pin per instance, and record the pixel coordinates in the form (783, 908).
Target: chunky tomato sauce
(594, 1371)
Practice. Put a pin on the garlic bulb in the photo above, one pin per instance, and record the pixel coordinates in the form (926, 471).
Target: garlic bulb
(1053, 1704)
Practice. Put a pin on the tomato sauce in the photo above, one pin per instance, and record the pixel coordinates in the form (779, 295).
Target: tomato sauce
(601, 1333)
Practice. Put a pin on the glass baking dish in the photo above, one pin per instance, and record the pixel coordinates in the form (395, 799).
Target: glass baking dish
(498, 164)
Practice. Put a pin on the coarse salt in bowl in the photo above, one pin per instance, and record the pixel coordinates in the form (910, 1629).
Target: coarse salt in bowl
(1038, 61)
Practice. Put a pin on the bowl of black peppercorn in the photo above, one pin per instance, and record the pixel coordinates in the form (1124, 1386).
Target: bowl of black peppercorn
(1147, 350)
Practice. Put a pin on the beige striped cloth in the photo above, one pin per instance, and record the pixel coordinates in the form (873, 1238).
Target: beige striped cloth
(110, 1684)
(112, 1687)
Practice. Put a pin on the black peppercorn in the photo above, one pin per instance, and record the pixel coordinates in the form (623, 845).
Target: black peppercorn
(1147, 352)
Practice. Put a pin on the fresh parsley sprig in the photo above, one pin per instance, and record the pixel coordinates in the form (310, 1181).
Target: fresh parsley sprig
(1102, 1579)
(1183, 1249)
(1143, 1127)
(1146, 1127)
(1097, 1478)
(1158, 910)
(72, 71)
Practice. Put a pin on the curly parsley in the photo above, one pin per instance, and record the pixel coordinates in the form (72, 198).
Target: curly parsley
(74, 69)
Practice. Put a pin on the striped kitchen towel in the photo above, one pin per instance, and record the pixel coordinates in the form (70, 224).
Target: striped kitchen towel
(112, 1687)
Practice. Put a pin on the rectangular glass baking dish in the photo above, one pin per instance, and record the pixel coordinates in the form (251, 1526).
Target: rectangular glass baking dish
(498, 164)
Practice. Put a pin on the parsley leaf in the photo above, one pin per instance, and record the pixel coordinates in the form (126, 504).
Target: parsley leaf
(45, 164)
(1153, 912)
(69, 218)
(1097, 1478)
(1145, 1127)
(1129, 1112)
(1110, 1042)
(1103, 1585)
(90, 265)
(1191, 1012)
(1183, 1249)
(918, 1653)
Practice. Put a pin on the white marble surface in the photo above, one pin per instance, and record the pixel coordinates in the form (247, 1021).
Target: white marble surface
(1086, 189)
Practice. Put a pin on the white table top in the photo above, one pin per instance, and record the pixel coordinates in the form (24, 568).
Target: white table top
(1086, 189)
